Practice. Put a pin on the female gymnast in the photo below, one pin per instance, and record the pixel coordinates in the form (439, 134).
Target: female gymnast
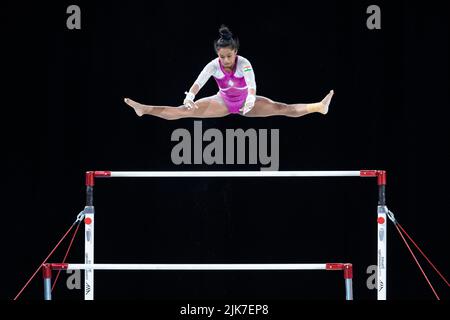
(237, 91)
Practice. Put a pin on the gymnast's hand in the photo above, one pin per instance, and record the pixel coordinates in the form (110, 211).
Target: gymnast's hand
(249, 104)
(189, 101)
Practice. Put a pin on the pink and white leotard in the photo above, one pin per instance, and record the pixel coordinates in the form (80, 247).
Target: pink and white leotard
(234, 85)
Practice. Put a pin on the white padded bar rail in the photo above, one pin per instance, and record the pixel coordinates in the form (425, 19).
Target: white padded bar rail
(260, 266)
(235, 174)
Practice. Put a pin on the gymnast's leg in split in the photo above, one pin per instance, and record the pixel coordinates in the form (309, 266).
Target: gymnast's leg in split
(209, 107)
(265, 107)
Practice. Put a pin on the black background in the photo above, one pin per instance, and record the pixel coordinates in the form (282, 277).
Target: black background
(63, 114)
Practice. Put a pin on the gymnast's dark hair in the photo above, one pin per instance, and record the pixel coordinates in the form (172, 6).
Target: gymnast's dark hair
(226, 39)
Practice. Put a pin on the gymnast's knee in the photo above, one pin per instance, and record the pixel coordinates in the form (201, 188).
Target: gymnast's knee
(280, 106)
(179, 113)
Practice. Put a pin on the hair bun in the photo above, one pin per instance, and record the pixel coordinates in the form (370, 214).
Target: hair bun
(225, 33)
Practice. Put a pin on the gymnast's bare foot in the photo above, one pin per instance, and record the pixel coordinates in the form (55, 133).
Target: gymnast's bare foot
(326, 102)
(140, 109)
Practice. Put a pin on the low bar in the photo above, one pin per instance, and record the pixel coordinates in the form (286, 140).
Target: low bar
(191, 266)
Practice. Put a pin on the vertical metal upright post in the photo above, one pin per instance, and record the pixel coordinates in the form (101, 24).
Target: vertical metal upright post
(89, 236)
(348, 276)
(382, 237)
(47, 275)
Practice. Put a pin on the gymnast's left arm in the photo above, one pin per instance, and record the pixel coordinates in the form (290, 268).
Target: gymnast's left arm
(249, 76)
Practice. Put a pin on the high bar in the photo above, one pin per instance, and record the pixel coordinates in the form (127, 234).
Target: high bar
(91, 175)
(150, 174)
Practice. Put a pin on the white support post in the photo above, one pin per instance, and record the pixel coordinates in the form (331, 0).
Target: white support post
(89, 252)
(381, 248)
(382, 238)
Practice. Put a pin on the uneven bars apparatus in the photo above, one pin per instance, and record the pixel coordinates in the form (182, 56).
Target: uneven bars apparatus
(90, 266)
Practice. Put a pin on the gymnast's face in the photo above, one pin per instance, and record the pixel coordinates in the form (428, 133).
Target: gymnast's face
(227, 56)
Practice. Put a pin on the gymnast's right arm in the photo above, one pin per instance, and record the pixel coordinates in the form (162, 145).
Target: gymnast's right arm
(206, 73)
